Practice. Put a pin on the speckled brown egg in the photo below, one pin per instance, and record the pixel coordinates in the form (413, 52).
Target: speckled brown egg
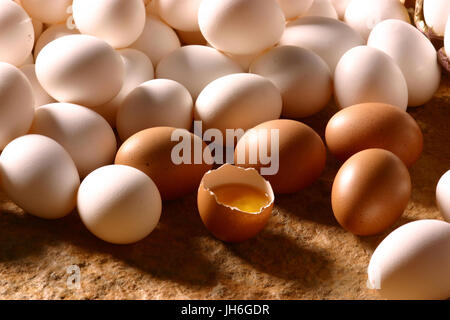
(370, 192)
(374, 125)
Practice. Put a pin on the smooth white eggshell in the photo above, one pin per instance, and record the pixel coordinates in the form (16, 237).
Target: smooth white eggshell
(195, 67)
(52, 33)
(155, 103)
(366, 74)
(39, 176)
(413, 262)
(443, 195)
(241, 26)
(436, 13)
(302, 77)
(118, 22)
(51, 12)
(16, 33)
(157, 40)
(415, 55)
(119, 204)
(322, 8)
(41, 96)
(179, 14)
(447, 38)
(294, 8)
(16, 104)
(340, 6)
(320, 34)
(80, 69)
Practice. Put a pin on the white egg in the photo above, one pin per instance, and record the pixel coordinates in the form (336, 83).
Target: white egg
(241, 26)
(364, 15)
(436, 13)
(179, 14)
(413, 262)
(118, 22)
(238, 101)
(447, 38)
(294, 8)
(443, 195)
(157, 40)
(320, 34)
(302, 77)
(322, 8)
(41, 96)
(196, 66)
(28, 60)
(52, 33)
(119, 204)
(340, 6)
(366, 74)
(16, 33)
(39, 176)
(16, 104)
(138, 69)
(414, 54)
(80, 69)
(49, 12)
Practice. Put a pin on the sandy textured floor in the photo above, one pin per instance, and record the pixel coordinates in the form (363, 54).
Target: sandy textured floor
(302, 254)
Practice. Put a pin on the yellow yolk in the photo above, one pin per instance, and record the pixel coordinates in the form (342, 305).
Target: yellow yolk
(243, 197)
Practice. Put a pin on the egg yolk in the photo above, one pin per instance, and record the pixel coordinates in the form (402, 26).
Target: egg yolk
(243, 197)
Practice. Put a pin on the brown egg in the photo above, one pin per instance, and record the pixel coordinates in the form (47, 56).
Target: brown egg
(175, 172)
(370, 192)
(374, 125)
(234, 203)
(301, 154)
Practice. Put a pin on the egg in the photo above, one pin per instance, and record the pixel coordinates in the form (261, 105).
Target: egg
(412, 263)
(41, 96)
(370, 192)
(234, 203)
(49, 12)
(157, 39)
(414, 54)
(87, 137)
(179, 14)
(366, 74)
(155, 103)
(319, 34)
(241, 26)
(443, 195)
(363, 15)
(53, 32)
(138, 69)
(16, 33)
(80, 69)
(294, 8)
(207, 64)
(322, 8)
(191, 37)
(297, 159)
(302, 77)
(28, 60)
(118, 22)
(38, 27)
(119, 204)
(435, 13)
(157, 152)
(245, 60)
(374, 125)
(16, 104)
(238, 101)
(39, 176)
(340, 6)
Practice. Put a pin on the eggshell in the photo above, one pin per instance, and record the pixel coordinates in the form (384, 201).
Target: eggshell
(370, 192)
(319, 34)
(155, 103)
(38, 27)
(366, 74)
(245, 60)
(80, 69)
(322, 8)
(294, 8)
(374, 125)
(241, 26)
(207, 64)
(443, 195)
(414, 54)
(302, 77)
(153, 152)
(227, 223)
(301, 153)
(50, 12)
(340, 6)
(16, 33)
(179, 14)
(39, 176)
(41, 96)
(119, 204)
(52, 33)
(138, 69)
(436, 13)
(87, 137)
(118, 22)
(157, 39)
(238, 101)
(16, 104)
(413, 262)
(28, 60)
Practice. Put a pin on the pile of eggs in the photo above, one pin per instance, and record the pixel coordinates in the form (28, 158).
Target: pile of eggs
(93, 92)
